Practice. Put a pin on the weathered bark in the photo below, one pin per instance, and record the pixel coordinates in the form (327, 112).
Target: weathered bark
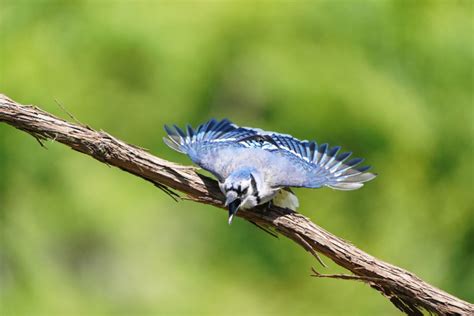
(405, 290)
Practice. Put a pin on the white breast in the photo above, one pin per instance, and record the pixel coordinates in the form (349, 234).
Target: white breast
(286, 199)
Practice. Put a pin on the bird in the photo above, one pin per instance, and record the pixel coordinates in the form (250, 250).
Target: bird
(255, 167)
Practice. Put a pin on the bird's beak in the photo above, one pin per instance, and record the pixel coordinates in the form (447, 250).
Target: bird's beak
(233, 208)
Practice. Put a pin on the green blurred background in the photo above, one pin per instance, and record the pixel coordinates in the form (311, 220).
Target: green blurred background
(390, 80)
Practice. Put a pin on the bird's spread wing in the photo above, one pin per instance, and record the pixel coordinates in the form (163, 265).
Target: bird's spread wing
(320, 165)
(221, 146)
(212, 145)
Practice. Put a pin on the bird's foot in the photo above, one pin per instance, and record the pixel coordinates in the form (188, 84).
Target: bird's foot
(268, 206)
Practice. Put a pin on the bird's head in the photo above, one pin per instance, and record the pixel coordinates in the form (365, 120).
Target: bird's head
(241, 190)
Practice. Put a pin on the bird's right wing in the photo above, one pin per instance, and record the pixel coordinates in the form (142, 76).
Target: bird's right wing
(214, 145)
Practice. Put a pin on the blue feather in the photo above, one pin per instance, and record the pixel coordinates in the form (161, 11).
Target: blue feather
(315, 165)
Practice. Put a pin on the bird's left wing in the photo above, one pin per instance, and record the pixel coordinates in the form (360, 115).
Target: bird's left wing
(307, 164)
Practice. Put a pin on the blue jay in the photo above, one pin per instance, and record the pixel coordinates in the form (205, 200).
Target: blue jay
(254, 166)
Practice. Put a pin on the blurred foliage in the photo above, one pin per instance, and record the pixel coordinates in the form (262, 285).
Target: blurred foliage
(390, 80)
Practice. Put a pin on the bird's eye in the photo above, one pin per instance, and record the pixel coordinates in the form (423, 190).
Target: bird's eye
(244, 191)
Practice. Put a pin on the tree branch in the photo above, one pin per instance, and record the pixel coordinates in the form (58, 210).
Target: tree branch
(405, 290)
